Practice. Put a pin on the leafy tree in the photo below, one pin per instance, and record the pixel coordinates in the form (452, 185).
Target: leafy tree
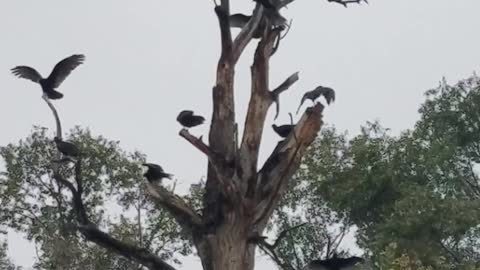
(44, 199)
(37, 205)
(413, 197)
(5, 262)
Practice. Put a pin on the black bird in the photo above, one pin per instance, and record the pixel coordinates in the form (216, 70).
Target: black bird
(283, 130)
(239, 20)
(266, 3)
(67, 148)
(272, 12)
(155, 173)
(61, 71)
(188, 119)
(334, 263)
(327, 92)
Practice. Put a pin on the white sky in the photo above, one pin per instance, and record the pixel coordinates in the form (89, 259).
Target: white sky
(147, 60)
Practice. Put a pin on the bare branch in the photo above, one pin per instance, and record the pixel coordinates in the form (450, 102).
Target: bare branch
(260, 101)
(346, 2)
(176, 206)
(281, 88)
(270, 249)
(220, 165)
(139, 255)
(283, 162)
(55, 114)
(284, 233)
(246, 35)
(213, 157)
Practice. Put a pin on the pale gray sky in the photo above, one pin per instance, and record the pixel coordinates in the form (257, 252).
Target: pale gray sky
(147, 60)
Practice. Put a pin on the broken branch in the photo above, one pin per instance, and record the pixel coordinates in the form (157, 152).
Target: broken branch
(176, 206)
(218, 162)
(281, 88)
(284, 161)
(346, 2)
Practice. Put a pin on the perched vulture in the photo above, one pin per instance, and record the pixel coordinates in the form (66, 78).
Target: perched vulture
(327, 92)
(155, 173)
(239, 20)
(334, 263)
(283, 130)
(61, 71)
(188, 119)
(272, 12)
(67, 148)
(266, 3)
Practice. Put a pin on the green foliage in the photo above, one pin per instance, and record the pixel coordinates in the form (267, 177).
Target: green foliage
(34, 204)
(5, 262)
(414, 197)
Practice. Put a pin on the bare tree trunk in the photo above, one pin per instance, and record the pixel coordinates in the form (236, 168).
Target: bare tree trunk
(240, 195)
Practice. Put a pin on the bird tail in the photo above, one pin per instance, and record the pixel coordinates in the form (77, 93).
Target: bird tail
(52, 94)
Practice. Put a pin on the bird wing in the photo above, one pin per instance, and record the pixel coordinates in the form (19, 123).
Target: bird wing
(63, 68)
(239, 20)
(27, 73)
(154, 166)
(301, 102)
(329, 94)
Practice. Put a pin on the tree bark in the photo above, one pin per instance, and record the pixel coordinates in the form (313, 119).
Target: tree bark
(239, 199)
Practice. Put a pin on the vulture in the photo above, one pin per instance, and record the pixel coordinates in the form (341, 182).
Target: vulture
(188, 119)
(155, 173)
(271, 12)
(327, 92)
(266, 3)
(283, 130)
(67, 148)
(334, 263)
(59, 73)
(239, 20)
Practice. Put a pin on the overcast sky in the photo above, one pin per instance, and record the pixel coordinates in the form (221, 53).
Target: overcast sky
(147, 60)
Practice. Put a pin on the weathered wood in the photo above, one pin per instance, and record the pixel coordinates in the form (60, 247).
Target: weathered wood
(283, 162)
(260, 101)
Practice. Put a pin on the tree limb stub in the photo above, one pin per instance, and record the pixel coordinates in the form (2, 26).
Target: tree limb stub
(176, 206)
(260, 101)
(222, 168)
(283, 162)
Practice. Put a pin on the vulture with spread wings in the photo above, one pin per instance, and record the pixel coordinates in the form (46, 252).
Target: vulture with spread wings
(59, 73)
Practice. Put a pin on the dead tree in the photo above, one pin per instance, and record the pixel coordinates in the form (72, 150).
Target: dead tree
(240, 195)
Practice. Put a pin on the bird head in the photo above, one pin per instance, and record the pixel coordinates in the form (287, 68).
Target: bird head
(184, 114)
